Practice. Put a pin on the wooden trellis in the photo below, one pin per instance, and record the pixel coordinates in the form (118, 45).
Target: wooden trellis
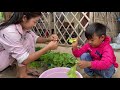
(64, 24)
(43, 28)
(72, 24)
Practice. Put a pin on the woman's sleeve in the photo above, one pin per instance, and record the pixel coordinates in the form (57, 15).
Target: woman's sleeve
(35, 36)
(11, 41)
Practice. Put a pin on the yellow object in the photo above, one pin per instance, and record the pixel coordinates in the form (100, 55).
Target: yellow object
(71, 40)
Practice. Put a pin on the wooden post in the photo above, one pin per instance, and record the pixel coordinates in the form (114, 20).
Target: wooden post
(109, 19)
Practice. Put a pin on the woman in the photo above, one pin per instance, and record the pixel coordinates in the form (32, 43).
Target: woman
(17, 41)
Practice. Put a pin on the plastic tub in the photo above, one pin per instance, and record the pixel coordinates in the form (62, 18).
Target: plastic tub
(58, 72)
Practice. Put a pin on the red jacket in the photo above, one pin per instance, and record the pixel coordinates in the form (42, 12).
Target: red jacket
(103, 55)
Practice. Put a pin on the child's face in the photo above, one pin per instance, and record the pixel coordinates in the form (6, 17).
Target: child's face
(96, 40)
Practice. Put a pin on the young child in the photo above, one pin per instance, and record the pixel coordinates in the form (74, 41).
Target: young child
(96, 56)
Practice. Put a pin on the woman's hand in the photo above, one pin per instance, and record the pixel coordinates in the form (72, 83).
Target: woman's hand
(53, 37)
(52, 45)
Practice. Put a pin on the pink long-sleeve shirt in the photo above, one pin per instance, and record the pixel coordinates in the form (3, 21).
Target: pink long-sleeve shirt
(102, 56)
(15, 44)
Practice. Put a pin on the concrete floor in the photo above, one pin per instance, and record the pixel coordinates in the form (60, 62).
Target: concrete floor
(11, 73)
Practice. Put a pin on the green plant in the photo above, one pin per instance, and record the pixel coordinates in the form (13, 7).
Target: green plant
(71, 40)
(55, 59)
(72, 72)
(35, 64)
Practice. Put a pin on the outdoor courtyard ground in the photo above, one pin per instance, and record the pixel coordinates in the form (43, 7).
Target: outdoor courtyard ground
(11, 72)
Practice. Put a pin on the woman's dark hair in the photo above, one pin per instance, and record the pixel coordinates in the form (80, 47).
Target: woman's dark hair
(97, 28)
(16, 18)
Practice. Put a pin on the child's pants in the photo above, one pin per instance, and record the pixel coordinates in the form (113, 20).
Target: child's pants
(104, 73)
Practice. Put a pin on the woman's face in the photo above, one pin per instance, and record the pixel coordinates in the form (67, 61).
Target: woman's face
(28, 24)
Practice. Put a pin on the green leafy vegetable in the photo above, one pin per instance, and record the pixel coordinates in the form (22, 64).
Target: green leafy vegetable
(72, 72)
(71, 40)
(55, 59)
(35, 65)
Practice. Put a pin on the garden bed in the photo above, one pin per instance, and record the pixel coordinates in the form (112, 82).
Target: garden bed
(53, 59)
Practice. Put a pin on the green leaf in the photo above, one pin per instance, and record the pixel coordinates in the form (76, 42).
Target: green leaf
(71, 40)
(72, 72)
(35, 64)
(57, 59)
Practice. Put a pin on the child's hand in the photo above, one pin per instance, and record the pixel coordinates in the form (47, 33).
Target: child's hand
(84, 64)
(53, 37)
(52, 45)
